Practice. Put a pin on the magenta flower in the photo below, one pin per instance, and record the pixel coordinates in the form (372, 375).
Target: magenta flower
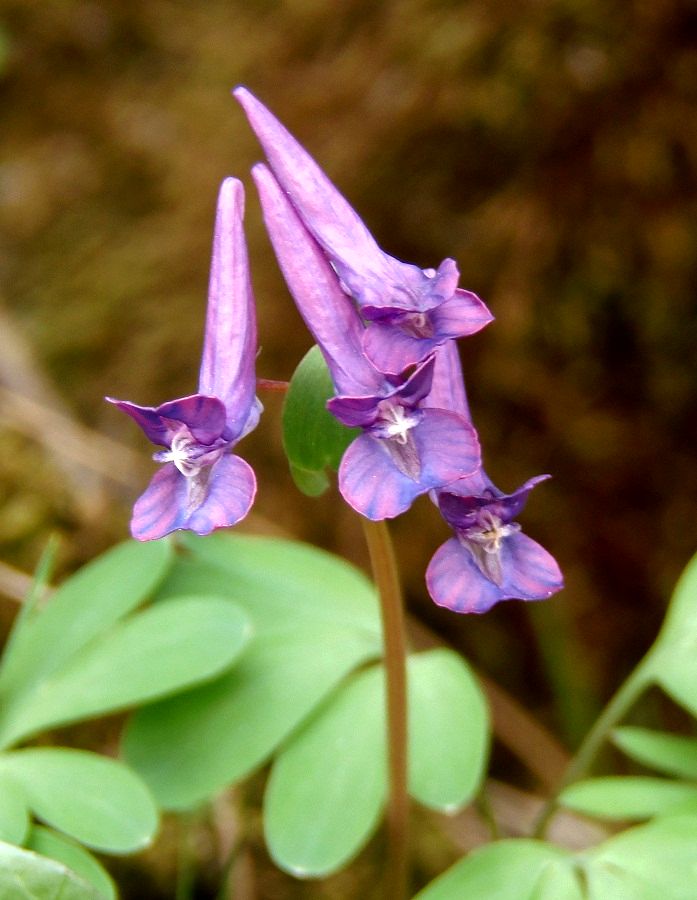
(202, 485)
(407, 447)
(409, 311)
(489, 559)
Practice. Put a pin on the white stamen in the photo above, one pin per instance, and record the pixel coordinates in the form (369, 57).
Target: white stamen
(398, 423)
(184, 453)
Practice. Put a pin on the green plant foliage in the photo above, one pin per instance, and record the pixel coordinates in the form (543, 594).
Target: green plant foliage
(327, 787)
(98, 801)
(312, 438)
(672, 661)
(669, 753)
(85, 606)
(626, 797)
(146, 656)
(448, 731)
(14, 812)
(655, 861)
(55, 846)
(315, 619)
(507, 870)
(25, 875)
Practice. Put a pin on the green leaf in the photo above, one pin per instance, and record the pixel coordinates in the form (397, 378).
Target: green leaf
(192, 746)
(327, 787)
(14, 812)
(98, 801)
(626, 797)
(669, 753)
(281, 584)
(312, 438)
(672, 661)
(655, 861)
(26, 876)
(76, 858)
(557, 881)
(85, 605)
(506, 870)
(448, 730)
(150, 655)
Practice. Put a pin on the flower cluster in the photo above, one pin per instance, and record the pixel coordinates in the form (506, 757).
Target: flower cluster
(387, 330)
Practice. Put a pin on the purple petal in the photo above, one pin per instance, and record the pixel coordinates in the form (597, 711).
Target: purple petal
(448, 386)
(374, 485)
(455, 581)
(476, 491)
(230, 344)
(324, 211)
(231, 491)
(166, 504)
(203, 416)
(391, 349)
(327, 311)
(163, 507)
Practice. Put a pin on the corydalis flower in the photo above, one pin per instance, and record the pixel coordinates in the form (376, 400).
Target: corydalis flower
(489, 559)
(202, 485)
(406, 448)
(409, 311)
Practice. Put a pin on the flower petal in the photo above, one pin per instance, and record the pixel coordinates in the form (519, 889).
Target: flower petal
(455, 581)
(231, 491)
(203, 416)
(327, 311)
(375, 486)
(169, 502)
(448, 385)
(230, 343)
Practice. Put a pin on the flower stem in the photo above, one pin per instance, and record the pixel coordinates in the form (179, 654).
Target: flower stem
(386, 577)
(616, 709)
(269, 384)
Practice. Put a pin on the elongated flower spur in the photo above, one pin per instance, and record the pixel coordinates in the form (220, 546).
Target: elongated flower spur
(409, 311)
(489, 559)
(202, 485)
(407, 448)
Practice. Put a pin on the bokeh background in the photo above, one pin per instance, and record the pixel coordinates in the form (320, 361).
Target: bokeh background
(548, 145)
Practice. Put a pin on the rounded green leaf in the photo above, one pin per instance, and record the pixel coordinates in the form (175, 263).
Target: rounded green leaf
(14, 812)
(98, 801)
(154, 653)
(656, 861)
(281, 584)
(669, 753)
(194, 745)
(558, 881)
(448, 730)
(27, 876)
(76, 858)
(85, 605)
(626, 797)
(506, 870)
(312, 438)
(672, 661)
(327, 787)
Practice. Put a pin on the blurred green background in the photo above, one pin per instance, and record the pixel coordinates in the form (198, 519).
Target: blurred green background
(548, 145)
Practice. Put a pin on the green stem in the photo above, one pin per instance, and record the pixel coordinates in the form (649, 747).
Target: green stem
(386, 577)
(616, 709)
(186, 865)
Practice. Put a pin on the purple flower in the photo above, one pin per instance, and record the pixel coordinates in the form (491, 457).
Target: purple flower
(407, 447)
(409, 311)
(489, 559)
(202, 485)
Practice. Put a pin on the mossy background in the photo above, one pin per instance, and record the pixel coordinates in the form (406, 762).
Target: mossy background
(547, 145)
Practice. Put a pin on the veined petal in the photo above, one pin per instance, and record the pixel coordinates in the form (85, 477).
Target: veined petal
(324, 211)
(230, 343)
(170, 502)
(447, 385)
(374, 484)
(391, 350)
(460, 315)
(327, 311)
(231, 490)
(205, 418)
(163, 507)
(455, 581)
